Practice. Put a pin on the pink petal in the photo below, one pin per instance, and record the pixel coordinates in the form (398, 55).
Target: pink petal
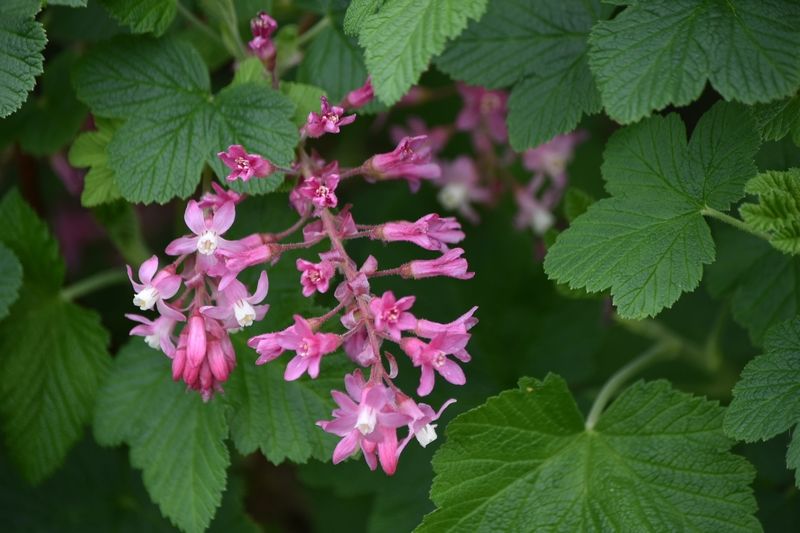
(425, 381)
(148, 269)
(182, 246)
(387, 452)
(136, 286)
(168, 286)
(296, 368)
(193, 216)
(223, 218)
(346, 447)
(261, 289)
(452, 373)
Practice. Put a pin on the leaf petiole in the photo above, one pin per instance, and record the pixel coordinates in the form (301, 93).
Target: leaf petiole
(733, 221)
(93, 283)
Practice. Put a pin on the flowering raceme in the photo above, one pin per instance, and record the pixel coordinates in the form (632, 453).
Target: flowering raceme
(201, 300)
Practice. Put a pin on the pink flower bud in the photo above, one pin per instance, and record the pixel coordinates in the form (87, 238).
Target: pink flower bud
(196, 340)
(430, 232)
(361, 96)
(449, 264)
(411, 159)
(263, 25)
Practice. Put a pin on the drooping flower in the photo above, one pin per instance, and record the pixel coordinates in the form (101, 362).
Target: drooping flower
(460, 188)
(158, 333)
(432, 356)
(391, 315)
(328, 120)
(366, 418)
(449, 264)
(315, 277)
(154, 287)
(411, 159)
(421, 421)
(309, 347)
(243, 165)
(429, 329)
(483, 114)
(204, 357)
(236, 308)
(552, 157)
(361, 96)
(431, 232)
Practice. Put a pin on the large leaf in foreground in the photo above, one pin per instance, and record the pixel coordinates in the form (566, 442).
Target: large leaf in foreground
(22, 40)
(657, 459)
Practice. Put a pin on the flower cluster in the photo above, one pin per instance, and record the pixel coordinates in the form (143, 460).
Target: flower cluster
(201, 301)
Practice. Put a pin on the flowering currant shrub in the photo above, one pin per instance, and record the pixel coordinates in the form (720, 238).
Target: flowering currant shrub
(399, 265)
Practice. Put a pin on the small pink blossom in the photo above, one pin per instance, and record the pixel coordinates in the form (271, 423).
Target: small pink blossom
(309, 347)
(204, 357)
(391, 315)
(329, 120)
(449, 264)
(438, 136)
(207, 240)
(344, 224)
(361, 96)
(484, 114)
(460, 188)
(358, 286)
(215, 200)
(411, 159)
(315, 277)
(262, 28)
(268, 345)
(534, 212)
(366, 418)
(157, 333)
(420, 426)
(154, 287)
(243, 165)
(430, 232)
(236, 308)
(430, 329)
(432, 357)
(321, 191)
(552, 157)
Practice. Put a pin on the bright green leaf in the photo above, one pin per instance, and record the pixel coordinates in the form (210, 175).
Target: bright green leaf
(403, 36)
(10, 279)
(251, 70)
(143, 16)
(21, 43)
(357, 12)
(766, 400)
(90, 150)
(657, 459)
(662, 52)
(175, 439)
(649, 242)
(540, 48)
(334, 63)
(778, 209)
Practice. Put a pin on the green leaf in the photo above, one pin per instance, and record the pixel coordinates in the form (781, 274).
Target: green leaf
(777, 119)
(766, 400)
(68, 3)
(576, 202)
(143, 16)
(56, 115)
(133, 76)
(334, 63)
(357, 12)
(539, 48)
(175, 439)
(10, 279)
(657, 459)
(251, 70)
(90, 150)
(762, 282)
(21, 43)
(21, 8)
(48, 375)
(649, 242)
(778, 209)
(306, 98)
(403, 36)
(662, 52)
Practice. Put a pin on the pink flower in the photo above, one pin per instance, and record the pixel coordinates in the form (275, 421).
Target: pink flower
(430, 329)
(204, 357)
(263, 48)
(411, 159)
(263, 25)
(343, 222)
(246, 255)
(438, 136)
(366, 418)
(154, 287)
(361, 96)
(536, 212)
(321, 191)
(243, 165)
(236, 308)
(430, 232)
(315, 277)
(207, 231)
(360, 284)
(327, 121)
(422, 416)
(157, 333)
(196, 340)
(268, 345)
(219, 197)
(460, 188)
(391, 315)
(552, 157)
(432, 357)
(484, 114)
(309, 346)
(449, 264)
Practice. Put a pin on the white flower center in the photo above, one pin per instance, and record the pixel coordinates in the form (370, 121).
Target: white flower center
(367, 418)
(242, 163)
(207, 243)
(153, 341)
(453, 195)
(322, 191)
(426, 435)
(439, 360)
(541, 220)
(244, 312)
(146, 299)
(554, 164)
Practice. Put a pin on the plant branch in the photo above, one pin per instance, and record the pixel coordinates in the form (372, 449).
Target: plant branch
(733, 221)
(313, 31)
(93, 283)
(660, 350)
